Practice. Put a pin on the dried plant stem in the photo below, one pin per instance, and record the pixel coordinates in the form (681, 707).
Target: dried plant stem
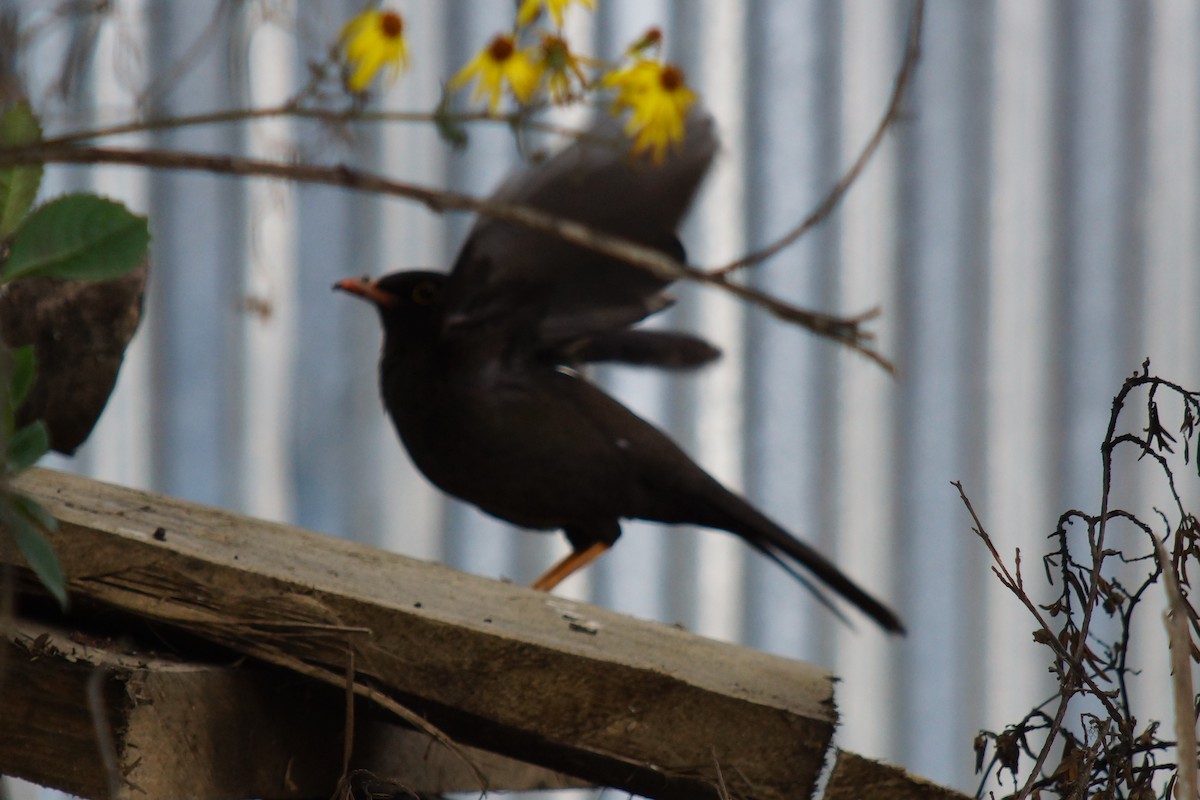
(1176, 620)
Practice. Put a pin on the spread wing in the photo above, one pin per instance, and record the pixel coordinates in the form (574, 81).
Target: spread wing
(516, 289)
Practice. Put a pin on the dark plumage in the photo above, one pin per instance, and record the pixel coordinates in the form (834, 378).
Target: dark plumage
(476, 367)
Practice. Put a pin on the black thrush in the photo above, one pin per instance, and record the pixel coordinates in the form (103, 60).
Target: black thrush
(477, 376)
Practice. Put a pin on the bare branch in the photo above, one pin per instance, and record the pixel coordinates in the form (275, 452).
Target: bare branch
(519, 119)
(903, 78)
(1115, 753)
(846, 330)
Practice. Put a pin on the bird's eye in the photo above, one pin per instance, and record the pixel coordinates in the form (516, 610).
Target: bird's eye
(424, 293)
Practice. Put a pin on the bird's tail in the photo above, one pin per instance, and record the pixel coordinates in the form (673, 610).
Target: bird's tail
(732, 513)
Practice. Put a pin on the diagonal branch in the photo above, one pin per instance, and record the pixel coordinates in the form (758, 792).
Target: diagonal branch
(846, 330)
(908, 66)
(291, 110)
(1073, 658)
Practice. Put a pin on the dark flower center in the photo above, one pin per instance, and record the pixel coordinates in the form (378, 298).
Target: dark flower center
(501, 48)
(671, 77)
(391, 24)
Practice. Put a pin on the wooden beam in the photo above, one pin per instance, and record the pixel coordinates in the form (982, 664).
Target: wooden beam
(169, 729)
(857, 778)
(574, 688)
(206, 731)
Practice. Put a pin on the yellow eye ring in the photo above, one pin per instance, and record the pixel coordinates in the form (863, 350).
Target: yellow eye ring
(424, 293)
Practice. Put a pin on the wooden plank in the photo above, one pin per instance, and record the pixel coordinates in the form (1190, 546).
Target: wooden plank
(403, 757)
(170, 728)
(574, 688)
(220, 730)
(856, 778)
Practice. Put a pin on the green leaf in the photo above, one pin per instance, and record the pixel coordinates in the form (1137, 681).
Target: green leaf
(27, 445)
(33, 511)
(23, 374)
(78, 237)
(449, 128)
(18, 185)
(24, 519)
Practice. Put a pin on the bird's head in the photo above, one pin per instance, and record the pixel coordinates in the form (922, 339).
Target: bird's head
(408, 302)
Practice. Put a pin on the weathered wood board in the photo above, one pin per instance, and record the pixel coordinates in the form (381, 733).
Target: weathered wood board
(857, 778)
(168, 729)
(101, 719)
(570, 687)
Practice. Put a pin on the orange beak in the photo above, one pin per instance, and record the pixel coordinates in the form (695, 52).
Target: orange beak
(367, 289)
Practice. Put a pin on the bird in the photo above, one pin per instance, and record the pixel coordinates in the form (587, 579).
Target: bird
(480, 369)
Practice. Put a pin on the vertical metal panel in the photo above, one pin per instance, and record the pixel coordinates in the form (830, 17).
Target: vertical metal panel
(121, 448)
(872, 39)
(790, 163)
(1172, 199)
(939, 343)
(799, 92)
(1100, 161)
(1016, 499)
(199, 256)
(269, 326)
(716, 233)
(1030, 229)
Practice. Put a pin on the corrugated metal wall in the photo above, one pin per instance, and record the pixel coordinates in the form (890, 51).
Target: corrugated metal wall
(1031, 229)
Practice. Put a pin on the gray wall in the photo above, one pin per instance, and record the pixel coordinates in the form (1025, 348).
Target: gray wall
(1030, 230)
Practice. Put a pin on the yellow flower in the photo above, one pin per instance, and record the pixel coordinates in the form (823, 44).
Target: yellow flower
(369, 42)
(531, 8)
(632, 81)
(498, 64)
(658, 101)
(562, 70)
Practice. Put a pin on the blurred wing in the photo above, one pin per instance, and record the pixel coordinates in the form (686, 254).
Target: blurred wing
(513, 287)
(643, 348)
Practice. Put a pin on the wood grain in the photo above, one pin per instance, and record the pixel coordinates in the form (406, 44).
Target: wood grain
(573, 688)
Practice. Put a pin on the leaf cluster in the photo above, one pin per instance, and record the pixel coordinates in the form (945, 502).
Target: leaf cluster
(74, 237)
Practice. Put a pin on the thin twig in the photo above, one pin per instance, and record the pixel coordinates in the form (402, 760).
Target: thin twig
(227, 116)
(908, 65)
(1013, 584)
(1072, 661)
(722, 789)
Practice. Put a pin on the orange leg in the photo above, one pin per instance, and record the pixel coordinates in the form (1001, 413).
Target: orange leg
(576, 560)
